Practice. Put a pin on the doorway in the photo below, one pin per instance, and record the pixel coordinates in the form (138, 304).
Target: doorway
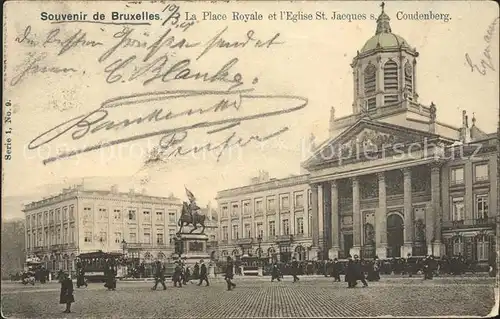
(395, 235)
(348, 242)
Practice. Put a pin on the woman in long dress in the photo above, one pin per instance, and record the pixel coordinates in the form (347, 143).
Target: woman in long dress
(66, 296)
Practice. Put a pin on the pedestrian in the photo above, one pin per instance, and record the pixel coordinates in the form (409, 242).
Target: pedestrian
(359, 274)
(80, 275)
(373, 270)
(177, 277)
(295, 269)
(66, 296)
(428, 267)
(229, 274)
(110, 273)
(275, 272)
(203, 273)
(336, 270)
(350, 273)
(196, 271)
(159, 275)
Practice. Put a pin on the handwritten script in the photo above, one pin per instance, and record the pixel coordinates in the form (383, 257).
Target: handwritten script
(486, 62)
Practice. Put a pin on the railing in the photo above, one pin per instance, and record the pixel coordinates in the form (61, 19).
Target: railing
(244, 241)
(464, 223)
(138, 245)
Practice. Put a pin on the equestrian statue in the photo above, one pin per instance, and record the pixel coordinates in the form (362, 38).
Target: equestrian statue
(190, 215)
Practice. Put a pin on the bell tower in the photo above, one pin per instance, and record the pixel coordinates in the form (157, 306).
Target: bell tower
(384, 71)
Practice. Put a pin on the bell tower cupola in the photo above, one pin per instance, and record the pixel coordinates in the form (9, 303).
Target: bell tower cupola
(384, 71)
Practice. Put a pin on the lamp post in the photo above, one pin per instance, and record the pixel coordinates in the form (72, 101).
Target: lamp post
(259, 241)
(124, 246)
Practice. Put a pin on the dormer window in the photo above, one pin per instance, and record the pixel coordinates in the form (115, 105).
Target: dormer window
(370, 79)
(390, 75)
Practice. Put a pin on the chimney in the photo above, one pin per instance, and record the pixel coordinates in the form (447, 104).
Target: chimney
(464, 130)
(332, 120)
(114, 189)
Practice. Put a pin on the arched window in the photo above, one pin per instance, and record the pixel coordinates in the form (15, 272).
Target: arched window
(482, 246)
(370, 79)
(390, 75)
(458, 245)
(235, 253)
(409, 79)
(271, 251)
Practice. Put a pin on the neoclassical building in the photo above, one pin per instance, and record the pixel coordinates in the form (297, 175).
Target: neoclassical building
(79, 220)
(392, 179)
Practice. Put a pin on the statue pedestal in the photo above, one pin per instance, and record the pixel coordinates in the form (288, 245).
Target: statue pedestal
(194, 248)
(211, 271)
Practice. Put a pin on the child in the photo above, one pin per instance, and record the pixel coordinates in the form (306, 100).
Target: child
(66, 292)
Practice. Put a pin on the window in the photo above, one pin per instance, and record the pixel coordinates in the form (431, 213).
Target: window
(390, 75)
(131, 214)
(72, 212)
(371, 104)
(285, 202)
(159, 216)
(103, 236)
(300, 225)
(457, 207)
(88, 237)
(87, 213)
(246, 208)
(58, 215)
(370, 79)
(171, 235)
(159, 238)
(133, 237)
(299, 200)
(65, 213)
(481, 172)
(224, 211)
(45, 218)
(234, 211)
(225, 233)
(65, 235)
(40, 238)
(309, 198)
(47, 243)
(71, 234)
(286, 227)
(58, 238)
(270, 204)
(235, 234)
(39, 220)
(171, 217)
(28, 244)
(390, 99)
(457, 175)
(103, 213)
(482, 246)
(51, 216)
(258, 205)
(260, 230)
(458, 246)
(248, 232)
(272, 229)
(147, 216)
(147, 236)
(118, 238)
(117, 215)
(482, 206)
(52, 237)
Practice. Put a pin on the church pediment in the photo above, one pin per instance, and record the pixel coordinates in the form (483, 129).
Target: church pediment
(364, 140)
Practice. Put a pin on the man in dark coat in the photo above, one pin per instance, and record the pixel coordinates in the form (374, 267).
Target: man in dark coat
(177, 277)
(203, 273)
(80, 275)
(196, 271)
(275, 272)
(336, 268)
(428, 267)
(373, 270)
(359, 271)
(66, 296)
(159, 275)
(229, 274)
(350, 273)
(110, 273)
(295, 269)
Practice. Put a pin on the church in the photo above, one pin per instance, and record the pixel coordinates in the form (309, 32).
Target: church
(390, 180)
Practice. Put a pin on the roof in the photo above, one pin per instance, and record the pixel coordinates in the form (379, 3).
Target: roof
(387, 40)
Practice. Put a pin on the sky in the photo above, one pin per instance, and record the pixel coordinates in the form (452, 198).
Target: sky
(311, 61)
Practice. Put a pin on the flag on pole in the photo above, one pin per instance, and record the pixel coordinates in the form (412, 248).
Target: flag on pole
(190, 195)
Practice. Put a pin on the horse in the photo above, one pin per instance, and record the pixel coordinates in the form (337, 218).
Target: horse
(189, 217)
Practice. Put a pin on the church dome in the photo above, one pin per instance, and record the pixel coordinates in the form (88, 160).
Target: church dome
(384, 41)
(384, 38)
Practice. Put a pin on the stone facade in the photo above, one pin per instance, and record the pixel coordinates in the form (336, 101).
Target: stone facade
(391, 180)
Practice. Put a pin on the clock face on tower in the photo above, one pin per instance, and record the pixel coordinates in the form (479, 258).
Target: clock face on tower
(408, 69)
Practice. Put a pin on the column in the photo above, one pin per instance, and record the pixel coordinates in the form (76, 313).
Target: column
(307, 213)
(291, 209)
(356, 218)
(314, 221)
(335, 229)
(408, 213)
(469, 196)
(381, 218)
(436, 248)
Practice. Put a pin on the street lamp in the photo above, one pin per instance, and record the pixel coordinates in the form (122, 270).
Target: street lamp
(259, 241)
(124, 246)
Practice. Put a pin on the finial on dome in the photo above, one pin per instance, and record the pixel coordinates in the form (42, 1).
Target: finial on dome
(332, 113)
(473, 118)
(383, 19)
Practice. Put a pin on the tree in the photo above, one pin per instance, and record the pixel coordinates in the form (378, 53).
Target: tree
(13, 245)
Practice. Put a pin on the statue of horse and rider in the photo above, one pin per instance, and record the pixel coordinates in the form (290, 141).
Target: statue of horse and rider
(190, 215)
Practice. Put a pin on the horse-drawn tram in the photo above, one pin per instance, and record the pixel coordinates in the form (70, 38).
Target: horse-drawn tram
(96, 263)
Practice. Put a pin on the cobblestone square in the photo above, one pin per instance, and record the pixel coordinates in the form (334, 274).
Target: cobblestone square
(310, 297)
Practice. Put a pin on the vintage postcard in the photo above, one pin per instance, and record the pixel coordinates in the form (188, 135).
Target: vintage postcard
(250, 159)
